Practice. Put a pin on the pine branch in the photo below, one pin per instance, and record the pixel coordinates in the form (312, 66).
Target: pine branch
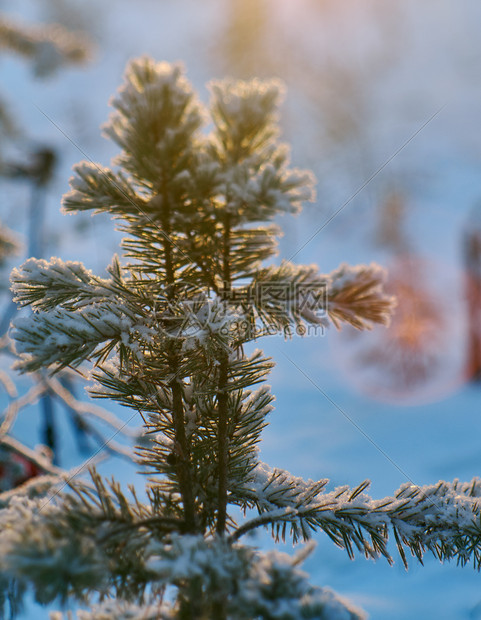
(80, 545)
(292, 295)
(248, 420)
(444, 519)
(155, 122)
(44, 285)
(251, 584)
(357, 297)
(97, 188)
(63, 337)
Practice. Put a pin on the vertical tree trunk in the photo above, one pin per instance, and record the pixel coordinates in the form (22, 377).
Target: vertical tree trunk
(49, 431)
(472, 259)
(222, 394)
(182, 448)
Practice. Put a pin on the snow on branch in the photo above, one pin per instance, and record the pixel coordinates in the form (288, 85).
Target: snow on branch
(72, 544)
(44, 285)
(63, 337)
(444, 518)
(291, 294)
(245, 113)
(254, 585)
(31, 546)
(118, 609)
(356, 296)
(258, 191)
(256, 181)
(8, 384)
(156, 116)
(97, 188)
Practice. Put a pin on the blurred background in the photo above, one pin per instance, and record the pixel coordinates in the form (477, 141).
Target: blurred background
(383, 103)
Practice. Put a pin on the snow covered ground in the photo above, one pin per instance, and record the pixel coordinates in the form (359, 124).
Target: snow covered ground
(387, 72)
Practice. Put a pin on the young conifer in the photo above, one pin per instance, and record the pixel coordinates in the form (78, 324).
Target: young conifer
(169, 333)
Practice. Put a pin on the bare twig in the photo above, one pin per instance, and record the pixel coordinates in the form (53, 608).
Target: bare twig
(90, 409)
(16, 405)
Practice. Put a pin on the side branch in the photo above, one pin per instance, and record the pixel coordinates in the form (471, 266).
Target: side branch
(444, 518)
(267, 518)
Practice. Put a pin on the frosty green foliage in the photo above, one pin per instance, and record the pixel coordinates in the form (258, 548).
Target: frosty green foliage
(260, 586)
(65, 283)
(167, 332)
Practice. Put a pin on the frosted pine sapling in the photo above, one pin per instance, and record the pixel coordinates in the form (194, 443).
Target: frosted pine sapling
(167, 332)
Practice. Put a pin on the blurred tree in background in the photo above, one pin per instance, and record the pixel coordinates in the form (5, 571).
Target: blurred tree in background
(47, 48)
